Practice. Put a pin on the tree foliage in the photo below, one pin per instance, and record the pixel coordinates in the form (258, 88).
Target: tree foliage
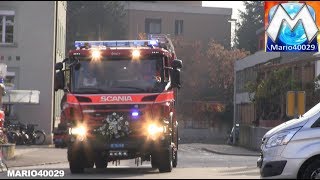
(208, 69)
(269, 93)
(250, 21)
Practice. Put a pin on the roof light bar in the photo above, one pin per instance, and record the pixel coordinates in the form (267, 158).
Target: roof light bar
(120, 43)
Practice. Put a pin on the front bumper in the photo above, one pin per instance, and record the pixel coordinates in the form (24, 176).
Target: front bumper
(278, 167)
(134, 145)
(272, 168)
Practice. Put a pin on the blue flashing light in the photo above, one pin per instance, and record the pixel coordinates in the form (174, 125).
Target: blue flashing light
(135, 114)
(153, 42)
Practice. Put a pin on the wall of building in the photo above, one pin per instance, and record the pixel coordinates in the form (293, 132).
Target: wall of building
(199, 23)
(34, 34)
(186, 3)
(250, 137)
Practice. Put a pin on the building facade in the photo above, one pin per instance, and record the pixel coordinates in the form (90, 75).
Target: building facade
(179, 18)
(33, 40)
(304, 67)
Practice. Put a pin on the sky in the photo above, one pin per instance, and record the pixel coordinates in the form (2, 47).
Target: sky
(235, 5)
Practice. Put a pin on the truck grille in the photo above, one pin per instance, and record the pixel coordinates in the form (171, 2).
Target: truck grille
(97, 116)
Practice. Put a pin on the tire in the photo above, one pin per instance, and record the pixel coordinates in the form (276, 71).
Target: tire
(40, 137)
(100, 161)
(154, 163)
(75, 158)
(165, 161)
(89, 164)
(175, 153)
(175, 159)
(312, 171)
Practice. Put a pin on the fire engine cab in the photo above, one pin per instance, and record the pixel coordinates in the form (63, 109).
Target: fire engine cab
(120, 103)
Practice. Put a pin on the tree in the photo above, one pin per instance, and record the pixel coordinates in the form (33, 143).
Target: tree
(95, 20)
(208, 74)
(208, 71)
(250, 21)
(270, 93)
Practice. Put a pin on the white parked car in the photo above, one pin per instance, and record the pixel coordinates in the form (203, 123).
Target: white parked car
(292, 149)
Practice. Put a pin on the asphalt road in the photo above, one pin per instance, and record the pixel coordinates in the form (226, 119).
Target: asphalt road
(193, 163)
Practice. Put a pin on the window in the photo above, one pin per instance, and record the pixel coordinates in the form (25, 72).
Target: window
(178, 27)
(316, 124)
(6, 26)
(153, 26)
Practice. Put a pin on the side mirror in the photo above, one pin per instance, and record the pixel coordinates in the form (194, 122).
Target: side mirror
(176, 64)
(175, 73)
(58, 66)
(175, 78)
(77, 66)
(59, 80)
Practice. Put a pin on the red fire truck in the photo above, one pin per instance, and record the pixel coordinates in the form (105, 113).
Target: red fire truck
(120, 103)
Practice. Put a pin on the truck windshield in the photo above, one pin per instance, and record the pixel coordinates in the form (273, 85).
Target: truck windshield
(118, 76)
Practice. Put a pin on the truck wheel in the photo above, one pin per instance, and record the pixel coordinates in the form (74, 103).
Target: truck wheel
(175, 159)
(78, 160)
(154, 163)
(165, 160)
(100, 161)
(76, 165)
(312, 171)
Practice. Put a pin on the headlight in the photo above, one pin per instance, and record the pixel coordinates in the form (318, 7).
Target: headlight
(135, 54)
(79, 130)
(281, 138)
(153, 129)
(96, 54)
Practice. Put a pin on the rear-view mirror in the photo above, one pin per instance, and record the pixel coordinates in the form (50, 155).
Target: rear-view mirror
(175, 78)
(59, 80)
(176, 64)
(77, 66)
(58, 66)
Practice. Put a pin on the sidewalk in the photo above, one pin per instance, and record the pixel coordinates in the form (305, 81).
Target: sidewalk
(225, 149)
(37, 155)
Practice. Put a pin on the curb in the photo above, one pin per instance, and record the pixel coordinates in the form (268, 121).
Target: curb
(37, 164)
(233, 154)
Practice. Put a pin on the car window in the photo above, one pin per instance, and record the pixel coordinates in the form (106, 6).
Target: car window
(316, 123)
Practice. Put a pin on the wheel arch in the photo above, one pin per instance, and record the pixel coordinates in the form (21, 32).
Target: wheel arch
(306, 163)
